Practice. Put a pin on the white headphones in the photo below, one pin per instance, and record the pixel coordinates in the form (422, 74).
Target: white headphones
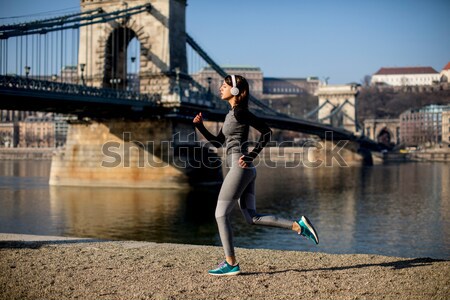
(234, 90)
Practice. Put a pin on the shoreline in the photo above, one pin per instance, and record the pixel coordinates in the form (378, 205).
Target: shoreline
(276, 154)
(26, 153)
(48, 267)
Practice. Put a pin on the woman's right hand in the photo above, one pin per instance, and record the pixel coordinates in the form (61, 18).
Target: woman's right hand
(198, 119)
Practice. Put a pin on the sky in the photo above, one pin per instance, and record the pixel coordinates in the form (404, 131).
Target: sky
(339, 40)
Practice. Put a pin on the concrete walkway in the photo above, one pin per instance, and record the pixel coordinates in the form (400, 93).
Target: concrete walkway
(41, 267)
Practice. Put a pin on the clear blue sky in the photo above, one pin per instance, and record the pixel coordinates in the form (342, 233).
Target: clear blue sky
(343, 40)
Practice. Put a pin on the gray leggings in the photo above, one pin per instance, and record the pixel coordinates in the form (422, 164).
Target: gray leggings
(239, 186)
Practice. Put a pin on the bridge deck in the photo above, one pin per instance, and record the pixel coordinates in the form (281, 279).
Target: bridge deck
(25, 95)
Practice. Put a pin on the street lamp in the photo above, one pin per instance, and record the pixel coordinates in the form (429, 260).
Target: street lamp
(177, 88)
(82, 71)
(54, 77)
(177, 73)
(27, 71)
(133, 76)
(115, 81)
(209, 79)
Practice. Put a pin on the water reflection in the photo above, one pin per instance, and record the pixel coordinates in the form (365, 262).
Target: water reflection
(400, 210)
(392, 209)
(138, 214)
(24, 168)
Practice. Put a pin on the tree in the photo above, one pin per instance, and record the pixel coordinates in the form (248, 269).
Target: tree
(385, 102)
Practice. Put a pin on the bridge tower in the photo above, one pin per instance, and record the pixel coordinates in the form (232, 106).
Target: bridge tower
(162, 55)
(337, 106)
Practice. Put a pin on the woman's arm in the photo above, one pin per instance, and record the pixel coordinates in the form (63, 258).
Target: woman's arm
(216, 141)
(246, 117)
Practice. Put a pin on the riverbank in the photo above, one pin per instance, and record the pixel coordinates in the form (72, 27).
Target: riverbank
(26, 153)
(432, 155)
(36, 267)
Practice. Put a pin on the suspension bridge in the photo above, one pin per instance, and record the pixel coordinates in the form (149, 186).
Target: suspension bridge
(127, 67)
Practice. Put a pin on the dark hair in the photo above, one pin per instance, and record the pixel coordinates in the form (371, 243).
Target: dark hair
(244, 90)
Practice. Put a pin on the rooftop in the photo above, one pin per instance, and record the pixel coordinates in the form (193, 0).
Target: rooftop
(432, 108)
(234, 68)
(406, 70)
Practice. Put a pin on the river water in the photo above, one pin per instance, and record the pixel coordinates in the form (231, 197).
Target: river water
(394, 209)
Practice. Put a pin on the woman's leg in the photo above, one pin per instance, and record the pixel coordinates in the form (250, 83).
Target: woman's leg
(247, 203)
(232, 188)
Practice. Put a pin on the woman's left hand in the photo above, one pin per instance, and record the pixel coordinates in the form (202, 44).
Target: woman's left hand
(245, 161)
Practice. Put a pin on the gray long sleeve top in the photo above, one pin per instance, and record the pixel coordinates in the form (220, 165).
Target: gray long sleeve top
(234, 132)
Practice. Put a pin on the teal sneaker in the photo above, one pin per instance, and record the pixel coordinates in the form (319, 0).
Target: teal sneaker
(307, 230)
(225, 269)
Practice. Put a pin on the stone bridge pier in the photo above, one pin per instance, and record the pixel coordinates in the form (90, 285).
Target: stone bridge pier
(135, 154)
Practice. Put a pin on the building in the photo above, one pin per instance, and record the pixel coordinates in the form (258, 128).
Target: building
(14, 115)
(9, 128)
(33, 129)
(445, 73)
(69, 74)
(42, 131)
(406, 76)
(292, 96)
(61, 128)
(446, 127)
(422, 126)
(290, 86)
(37, 132)
(8, 135)
(208, 77)
(260, 87)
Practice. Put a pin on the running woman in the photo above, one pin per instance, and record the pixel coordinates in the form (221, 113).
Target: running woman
(239, 183)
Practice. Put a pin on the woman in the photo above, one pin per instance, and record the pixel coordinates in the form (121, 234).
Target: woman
(239, 183)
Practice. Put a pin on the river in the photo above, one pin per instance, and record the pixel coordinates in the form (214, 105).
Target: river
(393, 209)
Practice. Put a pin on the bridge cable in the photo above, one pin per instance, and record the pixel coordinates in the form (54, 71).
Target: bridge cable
(224, 74)
(44, 26)
(335, 111)
(315, 110)
(50, 22)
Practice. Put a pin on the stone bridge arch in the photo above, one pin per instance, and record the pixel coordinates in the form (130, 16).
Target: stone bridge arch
(385, 136)
(160, 32)
(373, 128)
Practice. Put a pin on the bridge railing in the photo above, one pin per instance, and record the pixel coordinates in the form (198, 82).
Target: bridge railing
(21, 83)
(198, 98)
